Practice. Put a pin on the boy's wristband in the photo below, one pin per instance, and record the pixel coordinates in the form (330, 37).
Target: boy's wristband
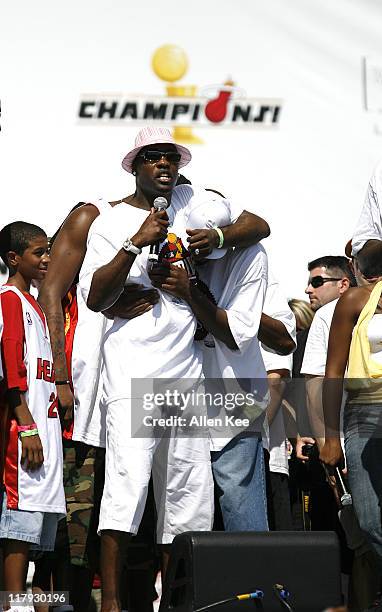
(26, 427)
(221, 237)
(62, 382)
(30, 432)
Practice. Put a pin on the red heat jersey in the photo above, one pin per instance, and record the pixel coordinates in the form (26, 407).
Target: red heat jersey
(30, 369)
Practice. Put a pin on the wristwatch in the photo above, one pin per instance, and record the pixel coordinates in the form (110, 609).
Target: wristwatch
(129, 247)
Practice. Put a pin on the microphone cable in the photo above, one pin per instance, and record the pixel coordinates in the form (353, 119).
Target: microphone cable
(257, 594)
(282, 594)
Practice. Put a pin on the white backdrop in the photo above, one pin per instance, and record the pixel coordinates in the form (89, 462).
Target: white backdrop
(307, 178)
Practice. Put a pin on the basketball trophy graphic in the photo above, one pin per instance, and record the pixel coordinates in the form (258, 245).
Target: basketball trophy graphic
(170, 63)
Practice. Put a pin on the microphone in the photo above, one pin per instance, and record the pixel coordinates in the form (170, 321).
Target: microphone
(159, 203)
(282, 594)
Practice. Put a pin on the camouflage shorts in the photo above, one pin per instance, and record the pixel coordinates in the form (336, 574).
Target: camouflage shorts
(84, 472)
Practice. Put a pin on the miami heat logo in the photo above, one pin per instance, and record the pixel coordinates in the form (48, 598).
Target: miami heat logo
(173, 250)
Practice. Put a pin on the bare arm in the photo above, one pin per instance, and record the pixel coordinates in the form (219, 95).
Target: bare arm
(133, 302)
(345, 317)
(109, 280)
(314, 385)
(344, 320)
(214, 319)
(277, 382)
(324, 395)
(247, 230)
(274, 334)
(67, 254)
(66, 258)
(32, 456)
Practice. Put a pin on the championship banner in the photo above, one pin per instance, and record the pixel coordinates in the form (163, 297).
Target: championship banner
(223, 105)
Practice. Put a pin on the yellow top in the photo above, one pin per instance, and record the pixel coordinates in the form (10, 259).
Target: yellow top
(364, 375)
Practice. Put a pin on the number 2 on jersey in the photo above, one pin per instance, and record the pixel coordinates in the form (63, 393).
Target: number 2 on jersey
(53, 407)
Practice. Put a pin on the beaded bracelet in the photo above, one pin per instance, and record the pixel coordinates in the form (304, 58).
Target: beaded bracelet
(30, 432)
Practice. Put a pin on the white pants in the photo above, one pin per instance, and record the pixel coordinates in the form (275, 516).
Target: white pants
(182, 476)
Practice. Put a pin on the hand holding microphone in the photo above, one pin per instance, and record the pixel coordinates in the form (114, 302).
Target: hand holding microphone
(154, 228)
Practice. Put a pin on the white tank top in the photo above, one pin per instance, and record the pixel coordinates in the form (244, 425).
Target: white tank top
(89, 414)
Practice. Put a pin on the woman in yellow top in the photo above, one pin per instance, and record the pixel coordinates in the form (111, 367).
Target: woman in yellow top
(355, 345)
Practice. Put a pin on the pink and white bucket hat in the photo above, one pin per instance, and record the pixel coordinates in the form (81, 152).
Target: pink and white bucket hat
(154, 135)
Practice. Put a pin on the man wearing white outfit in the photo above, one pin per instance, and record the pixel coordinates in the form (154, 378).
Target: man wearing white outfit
(236, 383)
(158, 344)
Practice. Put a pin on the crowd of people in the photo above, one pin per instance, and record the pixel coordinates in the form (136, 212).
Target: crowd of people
(155, 380)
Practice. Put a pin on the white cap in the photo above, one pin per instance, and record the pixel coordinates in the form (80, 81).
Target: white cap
(207, 214)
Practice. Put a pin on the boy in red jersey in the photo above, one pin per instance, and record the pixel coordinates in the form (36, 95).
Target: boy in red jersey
(33, 498)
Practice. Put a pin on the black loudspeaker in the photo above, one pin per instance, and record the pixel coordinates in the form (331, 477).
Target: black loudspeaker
(206, 567)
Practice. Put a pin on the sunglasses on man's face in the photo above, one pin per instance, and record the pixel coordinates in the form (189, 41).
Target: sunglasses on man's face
(318, 281)
(151, 157)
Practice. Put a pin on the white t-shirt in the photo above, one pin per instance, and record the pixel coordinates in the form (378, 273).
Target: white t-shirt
(276, 306)
(369, 224)
(159, 343)
(238, 282)
(316, 349)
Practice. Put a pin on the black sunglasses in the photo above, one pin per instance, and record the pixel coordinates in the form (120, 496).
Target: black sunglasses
(173, 157)
(318, 281)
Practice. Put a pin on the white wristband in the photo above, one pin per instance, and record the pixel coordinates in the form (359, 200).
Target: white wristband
(221, 237)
